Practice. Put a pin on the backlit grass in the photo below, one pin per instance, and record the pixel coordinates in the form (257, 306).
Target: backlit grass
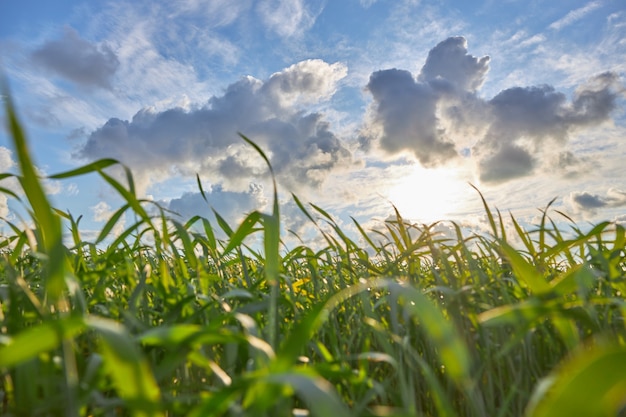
(394, 322)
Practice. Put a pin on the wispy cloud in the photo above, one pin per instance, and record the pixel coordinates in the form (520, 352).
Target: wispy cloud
(575, 15)
(288, 18)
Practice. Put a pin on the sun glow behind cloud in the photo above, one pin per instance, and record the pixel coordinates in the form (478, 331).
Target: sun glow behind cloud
(348, 102)
(429, 195)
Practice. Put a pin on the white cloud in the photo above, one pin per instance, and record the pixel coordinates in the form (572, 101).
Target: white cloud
(575, 15)
(102, 212)
(287, 18)
(158, 144)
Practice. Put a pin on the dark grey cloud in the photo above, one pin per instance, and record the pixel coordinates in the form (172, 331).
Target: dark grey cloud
(78, 60)
(534, 119)
(511, 161)
(405, 113)
(301, 146)
(584, 201)
(510, 135)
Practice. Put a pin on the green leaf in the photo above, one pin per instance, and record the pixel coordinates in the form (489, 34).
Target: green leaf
(244, 230)
(33, 341)
(48, 222)
(591, 384)
(525, 271)
(452, 350)
(111, 223)
(129, 370)
(316, 392)
(85, 169)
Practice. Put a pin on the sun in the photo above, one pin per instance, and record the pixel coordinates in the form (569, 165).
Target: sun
(428, 195)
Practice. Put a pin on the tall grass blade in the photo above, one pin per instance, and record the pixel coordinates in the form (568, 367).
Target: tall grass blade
(48, 222)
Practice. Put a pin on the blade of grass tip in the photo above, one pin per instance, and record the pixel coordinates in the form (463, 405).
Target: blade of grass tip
(271, 224)
(523, 236)
(111, 223)
(525, 271)
(324, 213)
(502, 229)
(492, 223)
(128, 195)
(223, 223)
(201, 189)
(542, 226)
(245, 229)
(48, 222)
(364, 234)
(303, 209)
(401, 227)
(85, 169)
(183, 234)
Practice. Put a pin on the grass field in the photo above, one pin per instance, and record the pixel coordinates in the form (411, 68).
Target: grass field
(168, 319)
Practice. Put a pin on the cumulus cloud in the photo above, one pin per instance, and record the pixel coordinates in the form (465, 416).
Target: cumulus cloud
(302, 147)
(102, 212)
(405, 117)
(438, 115)
(78, 60)
(450, 63)
(527, 120)
(586, 202)
(405, 112)
(232, 206)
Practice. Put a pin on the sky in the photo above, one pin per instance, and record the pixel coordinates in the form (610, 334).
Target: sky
(360, 105)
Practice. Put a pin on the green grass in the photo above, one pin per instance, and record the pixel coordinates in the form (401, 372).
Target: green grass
(399, 322)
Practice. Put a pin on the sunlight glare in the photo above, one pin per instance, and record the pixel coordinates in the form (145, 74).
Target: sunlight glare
(428, 195)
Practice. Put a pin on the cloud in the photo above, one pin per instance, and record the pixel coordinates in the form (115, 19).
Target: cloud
(367, 3)
(450, 62)
(527, 120)
(287, 18)
(6, 165)
(302, 148)
(438, 114)
(586, 202)
(232, 206)
(78, 60)
(575, 15)
(102, 212)
(404, 115)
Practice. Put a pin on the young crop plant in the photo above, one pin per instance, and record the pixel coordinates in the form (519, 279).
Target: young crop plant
(168, 319)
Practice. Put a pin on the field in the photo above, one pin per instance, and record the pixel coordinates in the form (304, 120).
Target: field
(168, 319)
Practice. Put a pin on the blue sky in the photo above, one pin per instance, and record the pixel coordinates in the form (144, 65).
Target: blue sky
(359, 104)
